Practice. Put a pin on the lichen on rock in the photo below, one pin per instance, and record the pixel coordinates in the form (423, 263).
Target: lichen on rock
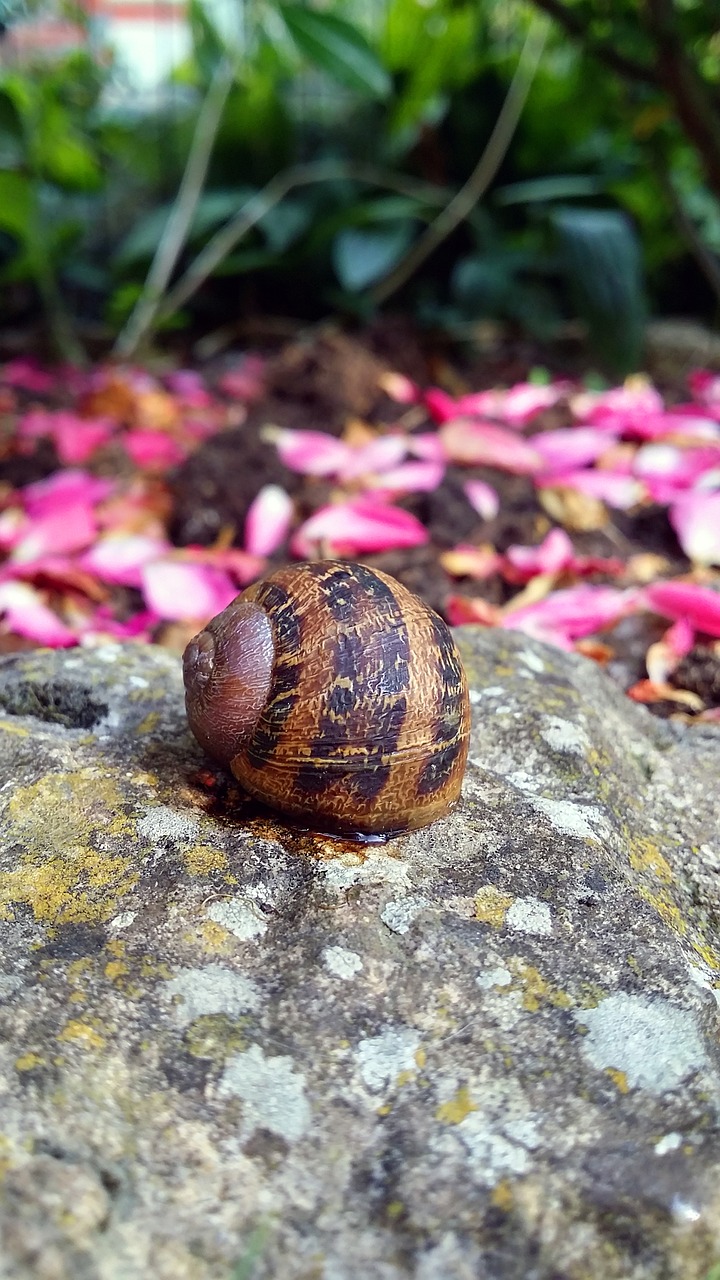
(488, 1048)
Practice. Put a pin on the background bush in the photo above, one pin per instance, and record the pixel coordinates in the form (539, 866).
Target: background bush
(367, 120)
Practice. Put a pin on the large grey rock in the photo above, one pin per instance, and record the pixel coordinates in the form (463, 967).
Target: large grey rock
(229, 1049)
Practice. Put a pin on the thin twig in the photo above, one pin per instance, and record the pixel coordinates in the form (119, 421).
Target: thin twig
(482, 175)
(254, 209)
(176, 229)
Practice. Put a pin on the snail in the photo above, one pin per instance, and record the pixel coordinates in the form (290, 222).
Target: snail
(336, 697)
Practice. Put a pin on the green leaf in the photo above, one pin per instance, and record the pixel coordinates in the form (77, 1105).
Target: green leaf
(17, 202)
(601, 259)
(362, 257)
(559, 187)
(338, 48)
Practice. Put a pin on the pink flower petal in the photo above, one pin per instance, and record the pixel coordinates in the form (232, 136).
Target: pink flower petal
(312, 453)
(119, 557)
(27, 616)
(620, 407)
(64, 489)
(58, 531)
(482, 496)
(410, 477)
(666, 467)
(378, 455)
(268, 520)
(76, 439)
(695, 517)
(153, 450)
(175, 590)
(188, 385)
(567, 615)
(28, 376)
(364, 524)
(552, 555)
(426, 445)
(103, 625)
(526, 400)
(400, 389)
(484, 444)
(613, 487)
(704, 385)
(570, 447)
(440, 406)
(700, 606)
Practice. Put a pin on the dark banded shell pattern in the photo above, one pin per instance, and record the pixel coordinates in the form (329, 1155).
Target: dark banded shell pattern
(365, 725)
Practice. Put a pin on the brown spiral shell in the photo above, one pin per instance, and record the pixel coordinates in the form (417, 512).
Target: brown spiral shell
(365, 722)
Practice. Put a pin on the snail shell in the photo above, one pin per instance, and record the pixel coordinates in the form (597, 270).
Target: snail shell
(335, 696)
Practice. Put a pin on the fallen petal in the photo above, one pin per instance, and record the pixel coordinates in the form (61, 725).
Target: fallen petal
(268, 520)
(695, 517)
(173, 589)
(662, 657)
(410, 477)
(460, 610)
(485, 444)
(466, 561)
(121, 557)
(699, 605)
(483, 498)
(27, 615)
(364, 524)
(312, 453)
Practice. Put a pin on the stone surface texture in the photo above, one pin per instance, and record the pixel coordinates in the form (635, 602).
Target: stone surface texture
(232, 1050)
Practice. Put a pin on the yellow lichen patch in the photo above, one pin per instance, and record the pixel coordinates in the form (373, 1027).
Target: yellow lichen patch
(60, 875)
(116, 969)
(64, 807)
(29, 1061)
(7, 727)
(395, 1210)
(420, 1057)
(405, 1077)
(666, 909)
(150, 723)
(645, 856)
(215, 940)
(456, 1109)
(83, 1034)
(502, 1196)
(491, 905)
(201, 859)
(536, 989)
(116, 947)
(708, 954)
(619, 1079)
(216, 1036)
(83, 886)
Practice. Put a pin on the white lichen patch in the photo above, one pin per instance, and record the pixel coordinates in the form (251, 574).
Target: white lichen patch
(341, 962)
(670, 1142)
(585, 821)
(532, 661)
(377, 868)
(563, 735)
(399, 913)
(496, 977)
(212, 989)
(655, 1043)
(529, 915)
(165, 824)
(490, 691)
(499, 1131)
(272, 1090)
(240, 917)
(382, 1058)
(121, 921)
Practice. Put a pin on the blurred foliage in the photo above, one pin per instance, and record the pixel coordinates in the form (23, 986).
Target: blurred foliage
(577, 223)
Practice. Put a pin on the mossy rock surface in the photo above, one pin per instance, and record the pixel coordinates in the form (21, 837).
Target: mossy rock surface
(230, 1049)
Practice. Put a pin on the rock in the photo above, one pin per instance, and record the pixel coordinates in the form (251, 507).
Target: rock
(228, 1048)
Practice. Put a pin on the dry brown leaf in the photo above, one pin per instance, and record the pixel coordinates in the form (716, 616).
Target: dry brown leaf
(576, 511)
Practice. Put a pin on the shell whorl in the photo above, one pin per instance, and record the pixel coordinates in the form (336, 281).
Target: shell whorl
(366, 721)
